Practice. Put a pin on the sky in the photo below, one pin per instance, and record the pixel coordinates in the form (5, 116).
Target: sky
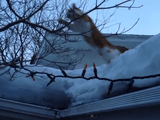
(149, 14)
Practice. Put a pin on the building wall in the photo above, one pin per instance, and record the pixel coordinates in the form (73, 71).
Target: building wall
(81, 49)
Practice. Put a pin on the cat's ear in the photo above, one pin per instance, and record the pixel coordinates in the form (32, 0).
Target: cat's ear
(74, 6)
(76, 9)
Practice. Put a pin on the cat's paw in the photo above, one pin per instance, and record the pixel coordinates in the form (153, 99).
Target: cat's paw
(61, 21)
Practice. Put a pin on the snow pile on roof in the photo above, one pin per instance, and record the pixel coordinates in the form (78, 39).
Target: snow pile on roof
(64, 92)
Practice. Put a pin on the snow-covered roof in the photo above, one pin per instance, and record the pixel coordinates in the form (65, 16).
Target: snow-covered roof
(67, 92)
(66, 41)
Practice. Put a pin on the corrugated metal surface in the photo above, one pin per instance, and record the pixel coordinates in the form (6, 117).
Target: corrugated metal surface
(19, 110)
(147, 97)
(140, 105)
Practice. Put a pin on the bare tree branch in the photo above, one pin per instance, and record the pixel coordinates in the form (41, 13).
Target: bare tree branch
(40, 8)
(24, 25)
(10, 7)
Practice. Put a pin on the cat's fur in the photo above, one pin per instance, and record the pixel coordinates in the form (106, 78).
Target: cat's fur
(83, 24)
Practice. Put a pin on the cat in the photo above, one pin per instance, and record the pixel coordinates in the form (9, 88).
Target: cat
(83, 24)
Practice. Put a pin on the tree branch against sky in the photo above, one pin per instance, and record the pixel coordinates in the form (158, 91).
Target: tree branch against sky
(24, 24)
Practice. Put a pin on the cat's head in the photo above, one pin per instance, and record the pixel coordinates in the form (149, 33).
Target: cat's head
(74, 13)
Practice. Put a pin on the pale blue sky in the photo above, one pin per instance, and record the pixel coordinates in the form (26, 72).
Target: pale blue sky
(149, 14)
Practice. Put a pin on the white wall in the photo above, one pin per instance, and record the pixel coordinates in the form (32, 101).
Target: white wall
(82, 48)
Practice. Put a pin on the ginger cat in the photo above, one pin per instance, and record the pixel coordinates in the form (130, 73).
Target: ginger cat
(84, 25)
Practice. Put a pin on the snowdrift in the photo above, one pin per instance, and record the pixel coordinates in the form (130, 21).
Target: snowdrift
(64, 92)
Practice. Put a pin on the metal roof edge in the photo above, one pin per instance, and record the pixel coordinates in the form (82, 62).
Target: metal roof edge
(105, 34)
(128, 35)
(147, 97)
(18, 109)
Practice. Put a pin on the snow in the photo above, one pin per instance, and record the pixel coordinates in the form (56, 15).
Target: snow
(66, 92)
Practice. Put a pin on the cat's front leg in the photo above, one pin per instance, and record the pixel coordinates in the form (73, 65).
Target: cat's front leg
(72, 26)
(61, 21)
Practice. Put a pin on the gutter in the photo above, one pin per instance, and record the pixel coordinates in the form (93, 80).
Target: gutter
(143, 98)
(19, 110)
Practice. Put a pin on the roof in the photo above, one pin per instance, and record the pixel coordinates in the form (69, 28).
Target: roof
(127, 40)
(147, 97)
